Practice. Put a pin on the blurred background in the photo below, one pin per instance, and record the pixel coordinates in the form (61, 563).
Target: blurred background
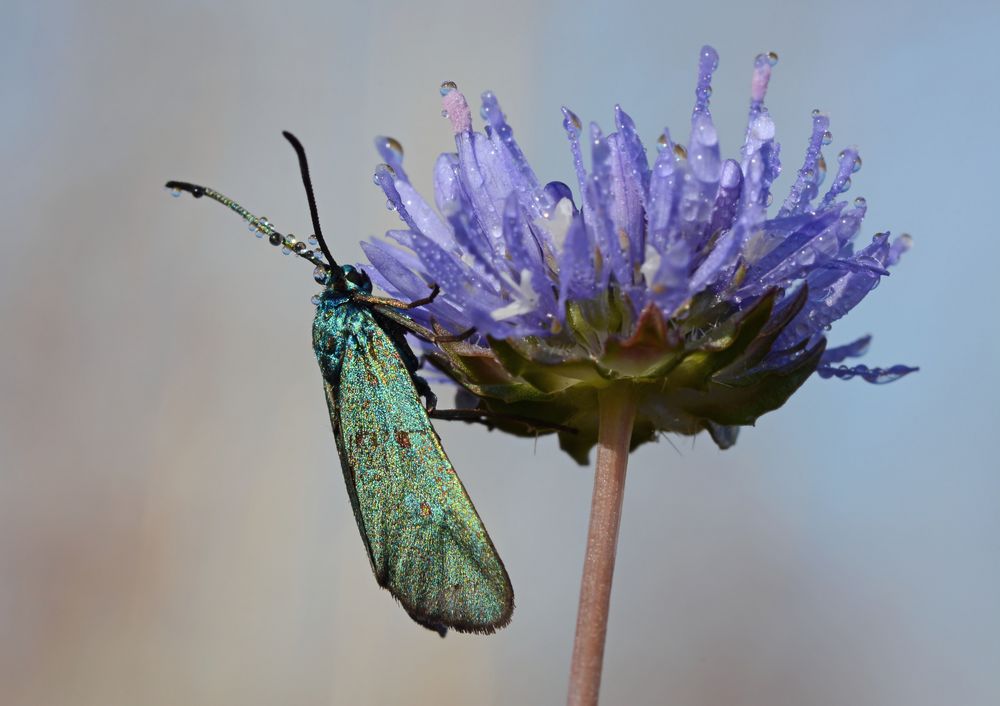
(173, 523)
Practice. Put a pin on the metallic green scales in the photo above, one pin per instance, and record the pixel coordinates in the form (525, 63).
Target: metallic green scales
(426, 543)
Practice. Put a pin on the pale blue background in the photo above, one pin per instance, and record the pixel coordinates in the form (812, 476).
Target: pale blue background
(173, 524)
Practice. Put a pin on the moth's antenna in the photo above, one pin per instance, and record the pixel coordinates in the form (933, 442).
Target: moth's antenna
(335, 272)
(258, 224)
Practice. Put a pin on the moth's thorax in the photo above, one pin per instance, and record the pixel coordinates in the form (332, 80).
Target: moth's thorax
(338, 321)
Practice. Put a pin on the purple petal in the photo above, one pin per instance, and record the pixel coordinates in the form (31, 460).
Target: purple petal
(854, 349)
(392, 154)
(848, 163)
(878, 376)
(806, 184)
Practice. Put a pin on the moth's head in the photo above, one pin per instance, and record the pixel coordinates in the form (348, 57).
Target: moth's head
(356, 280)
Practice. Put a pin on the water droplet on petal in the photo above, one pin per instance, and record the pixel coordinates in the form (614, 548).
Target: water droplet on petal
(313, 241)
(827, 137)
(772, 58)
(857, 164)
(662, 142)
(860, 202)
(574, 120)
(769, 200)
(816, 112)
(846, 184)
(389, 205)
(447, 87)
(680, 152)
(320, 274)
(392, 144)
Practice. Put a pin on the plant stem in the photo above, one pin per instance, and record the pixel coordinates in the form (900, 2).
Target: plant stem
(616, 416)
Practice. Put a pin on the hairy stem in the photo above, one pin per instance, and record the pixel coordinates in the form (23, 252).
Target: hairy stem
(617, 413)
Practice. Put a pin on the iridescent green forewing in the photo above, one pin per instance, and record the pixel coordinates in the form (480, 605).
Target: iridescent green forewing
(425, 540)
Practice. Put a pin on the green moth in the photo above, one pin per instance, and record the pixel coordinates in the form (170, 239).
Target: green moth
(424, 539)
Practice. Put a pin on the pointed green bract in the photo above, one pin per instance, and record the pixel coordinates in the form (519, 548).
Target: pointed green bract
(426, 543)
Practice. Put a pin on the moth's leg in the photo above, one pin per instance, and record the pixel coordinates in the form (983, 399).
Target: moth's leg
(489, 419)
(424, 390)
(421, 332)
(399, 303)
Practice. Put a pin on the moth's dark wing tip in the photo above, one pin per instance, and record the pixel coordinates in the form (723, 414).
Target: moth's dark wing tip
(439, 628)
(441, 624)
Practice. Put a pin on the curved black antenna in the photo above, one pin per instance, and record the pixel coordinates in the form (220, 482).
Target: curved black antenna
(261, 225)
(335, 272)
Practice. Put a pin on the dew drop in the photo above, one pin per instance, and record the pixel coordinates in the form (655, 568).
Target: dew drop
(769, 200)
(316, 299)
(392, 144)
(860, 202)
(846, 184)
(772, 58)
(816, 112)
(680, 152)
(856, 167)
(320, 274)
(662, 142)
(175, 192)
(390, 206)
(286, 251)
(827, 137)
(299, 247)
(274, 239)
(573, 120)
(447, 87)
(444, 113)
(313, 241)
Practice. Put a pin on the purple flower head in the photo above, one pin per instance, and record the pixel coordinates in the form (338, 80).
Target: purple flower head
(673, 270)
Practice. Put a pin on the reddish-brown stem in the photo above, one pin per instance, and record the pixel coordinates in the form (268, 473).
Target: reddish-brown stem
(616, 415)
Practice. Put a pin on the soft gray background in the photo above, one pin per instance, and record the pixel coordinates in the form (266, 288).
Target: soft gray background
(173, 522)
